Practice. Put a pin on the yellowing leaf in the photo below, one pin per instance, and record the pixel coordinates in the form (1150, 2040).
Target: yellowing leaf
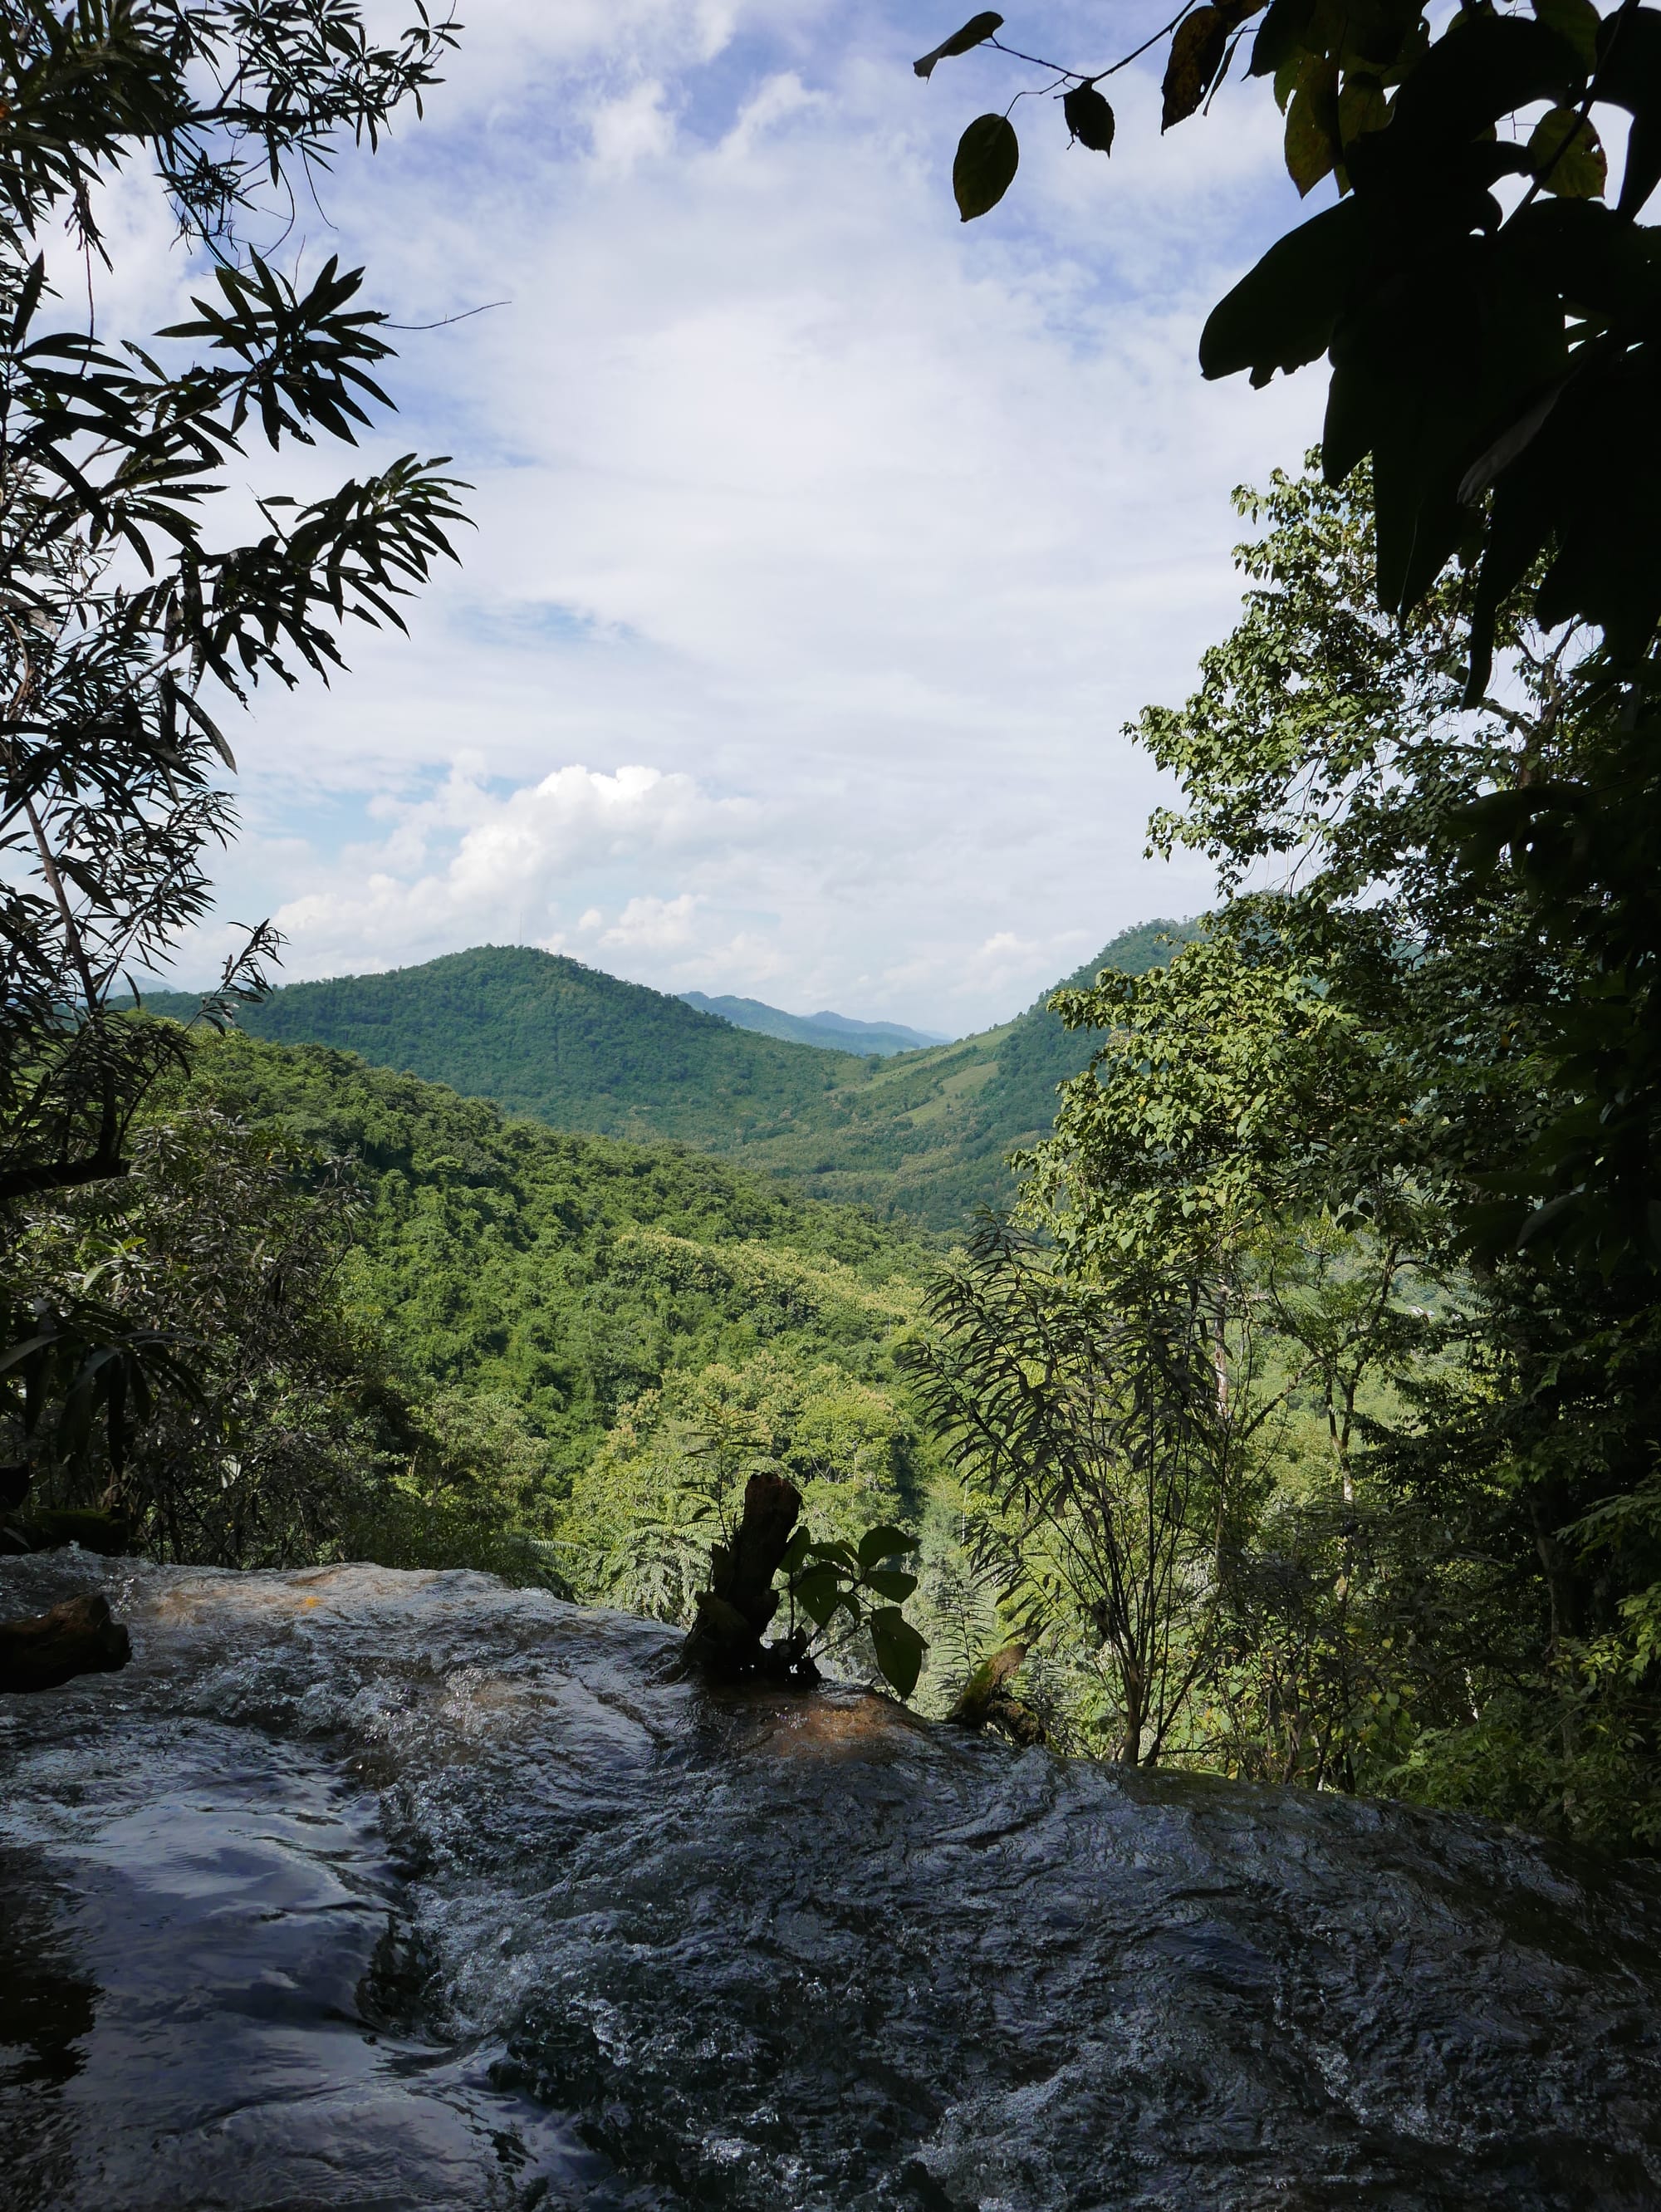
(1361, 107)
(1566, 156)
(988, 154)
(1197, 53)
(1310, 152)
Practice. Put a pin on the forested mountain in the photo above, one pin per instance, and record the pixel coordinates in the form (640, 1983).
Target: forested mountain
(546, 1036)
(921, 1134)
(833, 1032)
(573, 1273)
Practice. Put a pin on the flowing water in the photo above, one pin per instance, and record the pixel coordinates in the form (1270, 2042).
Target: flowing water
(369, 1889)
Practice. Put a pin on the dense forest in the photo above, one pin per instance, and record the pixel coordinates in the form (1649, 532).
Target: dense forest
(1254, 1345)
(1233, 1434)
(526, 1507)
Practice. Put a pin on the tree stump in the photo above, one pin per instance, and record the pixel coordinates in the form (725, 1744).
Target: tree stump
(725, 1640)
(51, 1649)
(984, 1700)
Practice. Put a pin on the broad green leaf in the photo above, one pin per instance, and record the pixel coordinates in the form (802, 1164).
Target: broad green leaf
(891, 1583)
(988, 154)
(899, 1649)
(1566, 156)
(1575, 21)
(978, 28)
(1197, 53)
(1311, 152)
(883, 1543)
(836, 1553)
(1090, 119)
(818, 1591)
(796, 1553)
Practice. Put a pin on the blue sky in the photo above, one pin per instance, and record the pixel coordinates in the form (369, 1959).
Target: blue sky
(824, 544)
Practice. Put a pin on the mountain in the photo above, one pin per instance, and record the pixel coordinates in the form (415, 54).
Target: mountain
(925, 1134)
(832, 1032)
(573, 1272)
(545, 1036)
(917, 1136)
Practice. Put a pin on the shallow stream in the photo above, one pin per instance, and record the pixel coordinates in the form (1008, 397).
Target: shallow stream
(380, 1890)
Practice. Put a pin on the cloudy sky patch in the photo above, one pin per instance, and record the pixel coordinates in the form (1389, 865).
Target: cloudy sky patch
(823, 544)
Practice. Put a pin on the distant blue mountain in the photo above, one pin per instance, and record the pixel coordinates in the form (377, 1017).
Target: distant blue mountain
(830, 1032)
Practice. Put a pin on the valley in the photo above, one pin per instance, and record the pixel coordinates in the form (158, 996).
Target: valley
(919, 1136)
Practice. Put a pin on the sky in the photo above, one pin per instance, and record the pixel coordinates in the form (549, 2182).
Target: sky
(823, 544)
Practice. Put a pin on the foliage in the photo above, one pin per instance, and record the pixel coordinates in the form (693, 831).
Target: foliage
(1332, 1085)
(1491, 326)
(1105, 1457)
(827, 1579)
(637, 1523)
(1494, 362)
(229, 1246)
(924, 1135)
(126, 625)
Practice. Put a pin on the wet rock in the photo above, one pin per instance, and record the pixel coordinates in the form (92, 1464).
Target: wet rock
(76, 1637)
(410, 1889)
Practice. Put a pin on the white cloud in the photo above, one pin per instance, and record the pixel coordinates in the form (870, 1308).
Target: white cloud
(654, 925)
(867, 529)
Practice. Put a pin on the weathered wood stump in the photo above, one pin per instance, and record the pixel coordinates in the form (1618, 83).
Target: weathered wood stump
(51, 1649)
(985, 1701)
(724, 1641)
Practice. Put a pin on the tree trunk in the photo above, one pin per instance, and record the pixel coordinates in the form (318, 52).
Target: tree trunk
(725, 1639)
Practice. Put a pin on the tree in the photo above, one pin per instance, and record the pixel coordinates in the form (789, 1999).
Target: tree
(126, 625)
(1362, 1054)
(1493, 329)
(1105, 1457)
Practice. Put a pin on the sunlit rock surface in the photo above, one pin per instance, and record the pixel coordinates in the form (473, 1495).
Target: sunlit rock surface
(386, 1890)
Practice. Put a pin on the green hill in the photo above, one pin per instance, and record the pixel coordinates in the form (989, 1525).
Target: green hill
(832, 1032)
(571, 1273)
(545, 1036)
(918, 1135)
(927, 1134)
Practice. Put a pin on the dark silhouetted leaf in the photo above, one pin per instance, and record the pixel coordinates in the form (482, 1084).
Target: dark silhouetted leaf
(1280, 36)
(883, 1543)
(988, 154)
(1090, 119)
(891, 1583)
(899, 1649)
(1281, 314)
(1629, 76)
(818, 1591)
(977, 29)
(1575, 21)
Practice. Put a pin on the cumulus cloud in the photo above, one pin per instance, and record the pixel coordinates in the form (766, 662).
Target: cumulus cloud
(867, 530)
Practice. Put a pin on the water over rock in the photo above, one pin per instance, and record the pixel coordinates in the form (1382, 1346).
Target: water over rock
(368, 1889)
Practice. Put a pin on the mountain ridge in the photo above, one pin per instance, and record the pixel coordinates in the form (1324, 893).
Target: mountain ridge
(919, 1134)
(829, 1031)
